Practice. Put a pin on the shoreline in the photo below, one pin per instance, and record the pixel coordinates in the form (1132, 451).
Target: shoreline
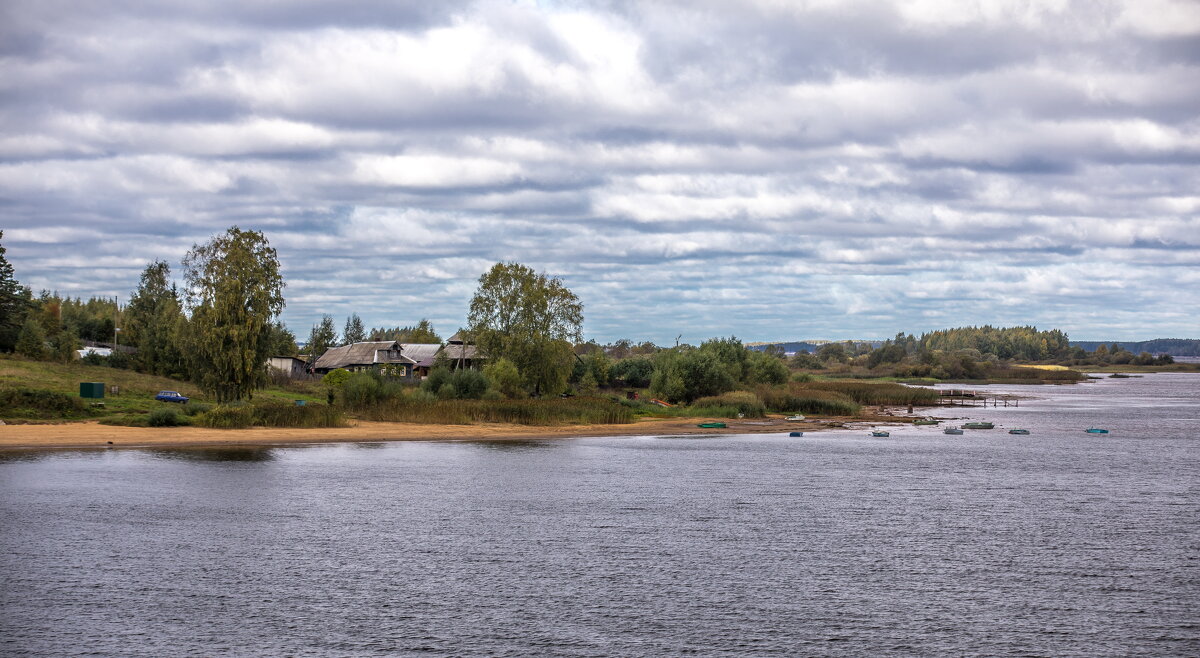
(93, 435)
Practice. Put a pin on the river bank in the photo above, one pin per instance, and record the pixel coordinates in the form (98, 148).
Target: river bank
(94, 435)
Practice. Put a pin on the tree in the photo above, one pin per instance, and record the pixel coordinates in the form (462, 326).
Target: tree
(14, 303)
(683, 374)
(529, 318)
(321, 338)
(282, 340)
(422, 333)
(634, 371)
(150, 320)
(354, 332)
(765, 368)
(235, 292)
(31, 342)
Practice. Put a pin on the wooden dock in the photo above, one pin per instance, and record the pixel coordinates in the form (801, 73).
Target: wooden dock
(972, 398)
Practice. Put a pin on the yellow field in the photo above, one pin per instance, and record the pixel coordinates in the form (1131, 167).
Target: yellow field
(1046, 367)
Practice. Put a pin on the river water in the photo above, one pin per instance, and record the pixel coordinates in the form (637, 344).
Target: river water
(1055, 544)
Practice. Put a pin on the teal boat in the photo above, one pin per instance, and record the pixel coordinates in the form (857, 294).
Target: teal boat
(926, 421)
(712, 425)
(1018, 431)
(978, 425)
(1095, 430)
(952, 430)
(880, 433)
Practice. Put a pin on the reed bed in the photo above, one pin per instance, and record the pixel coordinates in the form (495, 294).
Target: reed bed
(568, 411)
(271, 414)
(878, 393)
(40, 403)
(797, 398)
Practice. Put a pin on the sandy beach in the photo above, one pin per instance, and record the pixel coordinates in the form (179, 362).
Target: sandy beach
(95, 435)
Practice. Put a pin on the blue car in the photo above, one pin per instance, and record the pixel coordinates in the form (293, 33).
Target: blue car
(171, 396)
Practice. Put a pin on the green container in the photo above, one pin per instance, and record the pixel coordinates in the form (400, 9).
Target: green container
(91, 389)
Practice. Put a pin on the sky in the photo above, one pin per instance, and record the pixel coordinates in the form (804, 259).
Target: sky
(773, 170)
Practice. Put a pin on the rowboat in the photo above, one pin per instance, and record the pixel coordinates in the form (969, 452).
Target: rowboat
(795, 434)
(1018, 431)
(795, 417)
(880, 433)
(978, 425)
(1094, 430)
(926, 421)
(712, 425)
(952, 430)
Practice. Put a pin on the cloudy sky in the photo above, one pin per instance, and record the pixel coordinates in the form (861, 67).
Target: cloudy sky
(770, 169)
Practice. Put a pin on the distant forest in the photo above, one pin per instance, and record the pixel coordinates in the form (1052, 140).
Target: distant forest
(1172, 346)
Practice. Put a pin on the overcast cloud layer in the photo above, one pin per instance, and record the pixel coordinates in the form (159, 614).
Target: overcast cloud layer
(773, 170)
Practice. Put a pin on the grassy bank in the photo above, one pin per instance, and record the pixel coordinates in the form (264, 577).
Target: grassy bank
(554, 411)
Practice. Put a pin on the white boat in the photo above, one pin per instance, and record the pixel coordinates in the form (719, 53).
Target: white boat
(795, 417)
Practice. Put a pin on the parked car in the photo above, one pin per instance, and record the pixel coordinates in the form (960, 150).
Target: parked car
(171, 396)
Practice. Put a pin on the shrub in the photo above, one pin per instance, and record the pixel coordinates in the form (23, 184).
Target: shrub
(40, 403)
(438, 377)
(446, 392)
(469, 384)
(335, 378)
(165, 417)
(504, 376)
(362, 389)
(195, 408)
(634, 371)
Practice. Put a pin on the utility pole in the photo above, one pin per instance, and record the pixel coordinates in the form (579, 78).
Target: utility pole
(116, 329)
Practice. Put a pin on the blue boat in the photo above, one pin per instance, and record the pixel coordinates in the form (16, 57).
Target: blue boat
(795, 433)
(880, 433)
(1094, 430)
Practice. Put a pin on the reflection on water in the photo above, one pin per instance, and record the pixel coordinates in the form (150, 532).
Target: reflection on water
(219, 454)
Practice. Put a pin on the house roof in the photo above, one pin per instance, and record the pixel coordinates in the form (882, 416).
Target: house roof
(361, 354)
(456, 352)
(421, 353)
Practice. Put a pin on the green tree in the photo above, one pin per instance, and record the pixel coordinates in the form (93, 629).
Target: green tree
(529, 318)
(322, 337)
(150, 321)
(683, 374)
(31, 342)
(235, 292)
(282, 340)
(765, 368)
(634, 371)
(504, 377)
(14, 303)
(353, 332)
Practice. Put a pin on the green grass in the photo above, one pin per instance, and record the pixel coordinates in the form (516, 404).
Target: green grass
(134, 402)
(271, 414)
(875, 393)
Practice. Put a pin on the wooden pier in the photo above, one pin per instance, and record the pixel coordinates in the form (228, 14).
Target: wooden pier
(969, 398)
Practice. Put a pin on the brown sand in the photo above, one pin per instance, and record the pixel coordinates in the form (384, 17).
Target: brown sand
(95, 435)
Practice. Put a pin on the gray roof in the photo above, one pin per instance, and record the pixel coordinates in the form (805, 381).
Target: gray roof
(361, 354)
(422, 353)
(456, 352)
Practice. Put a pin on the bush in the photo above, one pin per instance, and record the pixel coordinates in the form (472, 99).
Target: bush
(634, 371)
(335, 378)
(165, 417)
(362, 389)
(438, 377)
(40, 403)
(504, 376)
(469, 384)
(195, 408)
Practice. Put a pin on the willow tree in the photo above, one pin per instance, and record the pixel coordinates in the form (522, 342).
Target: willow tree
(530, 319)
(234, 292)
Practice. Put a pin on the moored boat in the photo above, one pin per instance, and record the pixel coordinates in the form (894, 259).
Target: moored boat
(712, 425)
(795, 417)
(926, 421)
(1018, 431)
(952, 430)
(794, 434)
(880, 433)
(1095, 430)
(978, 425)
